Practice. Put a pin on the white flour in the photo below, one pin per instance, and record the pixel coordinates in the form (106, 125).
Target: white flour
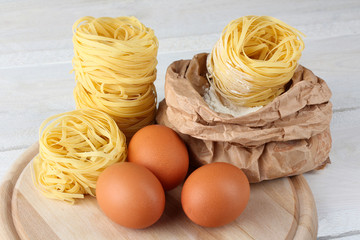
(215, 104)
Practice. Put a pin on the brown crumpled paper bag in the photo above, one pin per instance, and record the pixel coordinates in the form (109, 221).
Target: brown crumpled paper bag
(289, 136)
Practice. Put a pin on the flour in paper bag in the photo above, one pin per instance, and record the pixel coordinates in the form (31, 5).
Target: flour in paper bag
(215, 104)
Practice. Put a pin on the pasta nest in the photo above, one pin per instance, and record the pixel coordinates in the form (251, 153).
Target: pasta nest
(115, 68)
(75, 147)
(255, 57)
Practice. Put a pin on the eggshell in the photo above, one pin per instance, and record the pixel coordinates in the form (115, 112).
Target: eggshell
(130, 195)
(215, 194)
(162, 151)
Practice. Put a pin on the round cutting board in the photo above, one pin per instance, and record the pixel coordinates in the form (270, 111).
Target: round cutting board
(277, 209)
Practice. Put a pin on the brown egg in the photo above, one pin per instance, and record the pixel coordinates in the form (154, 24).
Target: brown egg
(130, 195)
(162, 151)
(215, 194)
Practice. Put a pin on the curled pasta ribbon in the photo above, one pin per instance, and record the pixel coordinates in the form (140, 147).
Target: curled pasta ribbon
(75, 147)
(115, 68)
(254, 59)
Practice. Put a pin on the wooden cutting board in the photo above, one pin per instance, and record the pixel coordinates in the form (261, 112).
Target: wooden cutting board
(277, 209)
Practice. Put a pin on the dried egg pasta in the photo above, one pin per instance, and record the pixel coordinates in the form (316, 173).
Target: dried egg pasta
(75, 147)
(115, 68)
(254, 59)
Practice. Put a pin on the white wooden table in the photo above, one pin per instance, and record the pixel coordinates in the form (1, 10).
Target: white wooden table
(35, 63)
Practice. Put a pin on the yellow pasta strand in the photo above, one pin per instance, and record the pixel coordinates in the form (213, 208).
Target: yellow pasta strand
(254, 59)
(75, 147)
(115, 68)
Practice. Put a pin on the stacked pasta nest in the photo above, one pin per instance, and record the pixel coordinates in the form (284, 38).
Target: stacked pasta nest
(115, 68)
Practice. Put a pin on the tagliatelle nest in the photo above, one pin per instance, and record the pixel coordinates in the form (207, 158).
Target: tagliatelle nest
(75, 147)
(254, 59)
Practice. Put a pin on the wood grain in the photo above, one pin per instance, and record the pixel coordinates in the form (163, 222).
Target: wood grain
(278, 209)
(308, 215)
(7, 228)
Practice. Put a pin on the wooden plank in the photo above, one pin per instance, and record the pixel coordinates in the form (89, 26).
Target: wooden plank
(28, 97)
(165, 16)
(7, 159)
(336, 188)
(29, 27)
